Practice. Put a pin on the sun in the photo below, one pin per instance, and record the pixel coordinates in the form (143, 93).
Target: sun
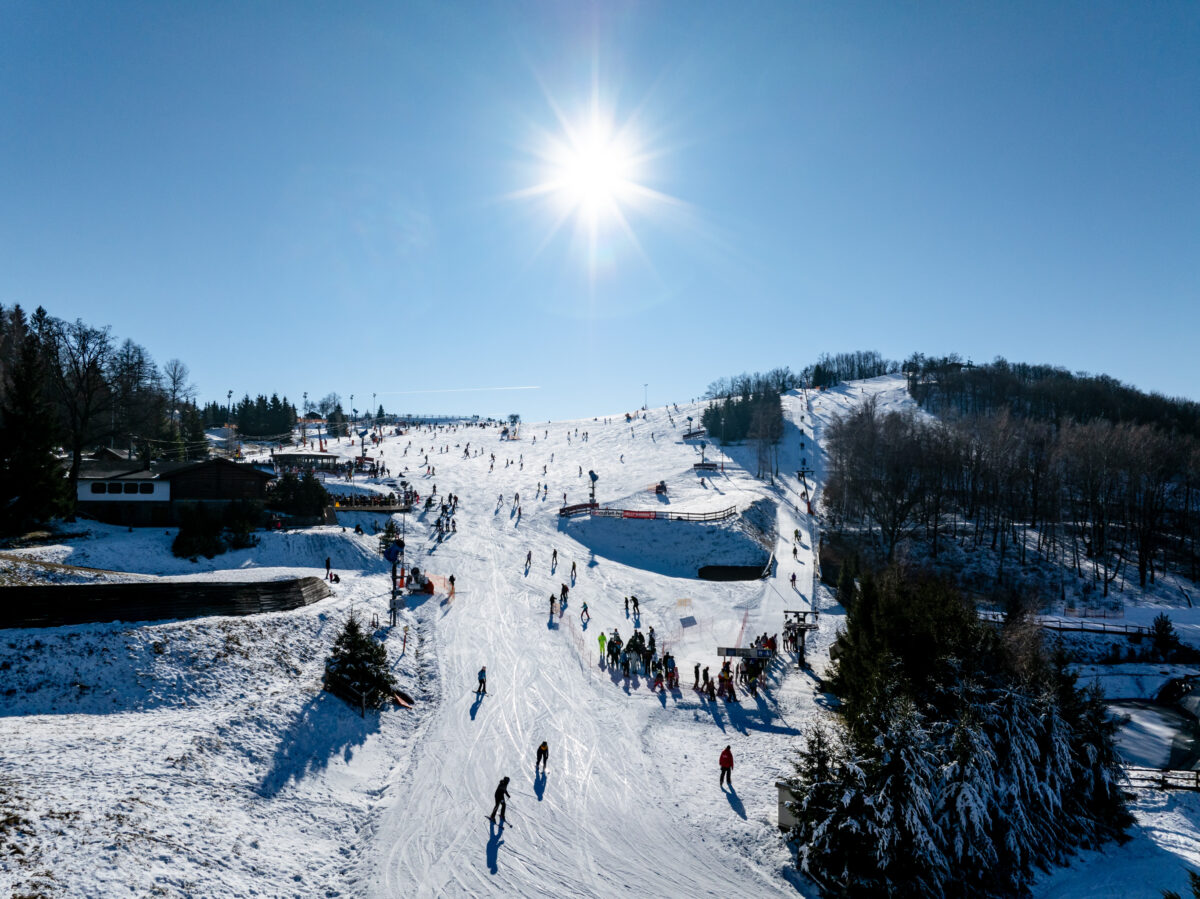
(593, 171)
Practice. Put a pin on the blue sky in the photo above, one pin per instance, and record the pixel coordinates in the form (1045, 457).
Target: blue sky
(349, 197)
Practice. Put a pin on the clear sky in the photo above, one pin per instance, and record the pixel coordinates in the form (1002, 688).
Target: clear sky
(415, 197)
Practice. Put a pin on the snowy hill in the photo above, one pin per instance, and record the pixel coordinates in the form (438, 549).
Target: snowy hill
(199, 758)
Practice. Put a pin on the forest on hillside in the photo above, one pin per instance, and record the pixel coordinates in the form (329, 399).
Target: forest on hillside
(1027, 461)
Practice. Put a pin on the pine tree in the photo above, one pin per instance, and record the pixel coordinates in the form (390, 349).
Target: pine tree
(359, 662)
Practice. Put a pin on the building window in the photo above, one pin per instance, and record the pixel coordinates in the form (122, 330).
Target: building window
(145, 488)
(114, 488)
(131, 488)
(99, 487)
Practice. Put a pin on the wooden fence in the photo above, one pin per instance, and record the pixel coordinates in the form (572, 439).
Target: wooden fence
(59, 604)
(1164, 778)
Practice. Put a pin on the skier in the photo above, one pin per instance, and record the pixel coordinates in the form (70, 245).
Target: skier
(696, 682)
(501, 796)
(452, 586)
(554, 559)
(327, 567)
(481, 690)
(553, 604)
(603, 640)
(793, 580)
(543, 755)
(584, 615)
(626, 606)
(726, 768)
(572, 570)
(795, 552)
(636, 609)
(529, 558)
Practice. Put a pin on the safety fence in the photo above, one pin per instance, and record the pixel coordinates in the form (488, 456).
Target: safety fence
(664, 514)
(1080, 626)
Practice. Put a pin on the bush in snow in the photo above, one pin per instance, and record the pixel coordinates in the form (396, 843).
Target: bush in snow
(199, 533)
(358, 667)
(965, 760)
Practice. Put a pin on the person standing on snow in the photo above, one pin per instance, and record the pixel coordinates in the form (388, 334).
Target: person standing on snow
(603, 640)
(328, 563)
(501, 796)
(636, 609)
(482, 688)
(529, 558)
(726, 767)
(554, 558)
(543, 755)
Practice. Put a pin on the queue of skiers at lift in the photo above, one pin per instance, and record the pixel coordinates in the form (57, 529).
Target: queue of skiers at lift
(639, 655)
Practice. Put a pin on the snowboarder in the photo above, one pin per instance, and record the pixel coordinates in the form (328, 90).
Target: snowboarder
(584, 615)
(543, 755)
(501, 796)
(481, 690)
(726, 768)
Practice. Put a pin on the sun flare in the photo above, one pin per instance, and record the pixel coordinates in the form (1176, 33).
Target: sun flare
(591, 178)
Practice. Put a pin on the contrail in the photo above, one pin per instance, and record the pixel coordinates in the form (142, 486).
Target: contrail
(450, 390)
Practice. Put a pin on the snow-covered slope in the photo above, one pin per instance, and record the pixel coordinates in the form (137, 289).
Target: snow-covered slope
(200, 758)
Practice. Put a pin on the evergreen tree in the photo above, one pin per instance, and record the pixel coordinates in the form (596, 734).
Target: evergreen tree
(358, 666)
(32, 487)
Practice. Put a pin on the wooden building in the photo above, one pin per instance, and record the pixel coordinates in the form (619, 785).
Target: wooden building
(153, 496)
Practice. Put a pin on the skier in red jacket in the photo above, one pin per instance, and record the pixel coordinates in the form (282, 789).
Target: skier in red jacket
(727, 767)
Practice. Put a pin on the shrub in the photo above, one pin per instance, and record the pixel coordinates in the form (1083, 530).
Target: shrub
(199, 533)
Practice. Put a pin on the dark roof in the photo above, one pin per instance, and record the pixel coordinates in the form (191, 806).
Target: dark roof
(108, 471)
(180, 467)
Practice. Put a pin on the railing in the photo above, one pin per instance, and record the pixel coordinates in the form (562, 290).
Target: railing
(577, 509)
(1082, 626)
(1164, 778)
(663, 514)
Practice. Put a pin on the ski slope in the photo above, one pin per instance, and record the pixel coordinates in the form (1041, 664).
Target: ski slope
(202, 759)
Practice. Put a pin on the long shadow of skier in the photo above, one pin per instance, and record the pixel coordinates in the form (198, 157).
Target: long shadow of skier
(539, 784)
(493, 846)
(735, 801)
(476, 704)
